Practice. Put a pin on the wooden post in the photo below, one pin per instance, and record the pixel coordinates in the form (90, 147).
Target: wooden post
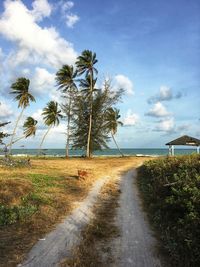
(197, 149)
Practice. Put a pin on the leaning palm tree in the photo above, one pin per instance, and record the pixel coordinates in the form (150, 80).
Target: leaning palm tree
(112, 122)
(30, 126)
(21, 91)
(52, 116)
(85, 64)
(66, 81)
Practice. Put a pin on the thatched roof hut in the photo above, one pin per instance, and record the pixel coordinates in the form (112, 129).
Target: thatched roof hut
(184, 140)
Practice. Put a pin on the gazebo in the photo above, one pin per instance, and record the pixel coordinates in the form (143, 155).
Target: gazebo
(184, 140)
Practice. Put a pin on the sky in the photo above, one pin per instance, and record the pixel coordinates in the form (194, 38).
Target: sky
(149, 48)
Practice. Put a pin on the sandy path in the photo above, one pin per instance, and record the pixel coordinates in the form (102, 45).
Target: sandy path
(58, 244)
(136, 245)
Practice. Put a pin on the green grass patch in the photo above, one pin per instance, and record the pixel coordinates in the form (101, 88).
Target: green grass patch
(171, 191)
(10, 215)
(42, 180)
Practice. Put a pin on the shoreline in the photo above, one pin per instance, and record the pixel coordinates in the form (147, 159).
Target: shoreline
(78, 156)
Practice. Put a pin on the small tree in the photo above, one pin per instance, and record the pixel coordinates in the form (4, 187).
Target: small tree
(30, 126)
(52, 115)
(21, 91)
(3, 135)
(103, 99)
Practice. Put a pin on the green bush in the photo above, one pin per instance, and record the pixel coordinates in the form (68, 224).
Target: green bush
(171, 191)
(10, 215)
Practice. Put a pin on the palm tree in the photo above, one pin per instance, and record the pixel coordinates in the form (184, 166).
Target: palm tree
(85, 64)
(66, 81)
(52, 116)
(21, 91)
(112, 122)
(29, 129)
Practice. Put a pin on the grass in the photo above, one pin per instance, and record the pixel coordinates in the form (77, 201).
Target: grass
(171, 191)
(94, 249)
(33, 200)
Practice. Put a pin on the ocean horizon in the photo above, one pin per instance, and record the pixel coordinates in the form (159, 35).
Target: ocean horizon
(106, 152)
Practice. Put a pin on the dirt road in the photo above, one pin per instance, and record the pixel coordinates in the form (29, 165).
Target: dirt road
(136, 245)
(48, 252)
(134, 248)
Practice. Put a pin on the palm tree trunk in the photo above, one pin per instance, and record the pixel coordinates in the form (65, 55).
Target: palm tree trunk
(117, 144)
(40, 147)
(14, 131)
(16, 140)
(88, 152)
(68, 128)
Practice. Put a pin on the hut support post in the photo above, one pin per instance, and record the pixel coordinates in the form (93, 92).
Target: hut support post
(172, 150)
(198, 150)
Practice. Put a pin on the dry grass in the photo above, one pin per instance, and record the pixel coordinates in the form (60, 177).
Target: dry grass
(51, 185)
(94, 249)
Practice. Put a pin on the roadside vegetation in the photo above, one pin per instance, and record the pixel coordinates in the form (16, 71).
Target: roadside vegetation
(171, 191)
(34, 199)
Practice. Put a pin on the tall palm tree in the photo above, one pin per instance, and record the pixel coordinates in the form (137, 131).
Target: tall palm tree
(112, 122)
(85, 64)
(66, 81)
(30, 126)
(52, 116)
(21, 91)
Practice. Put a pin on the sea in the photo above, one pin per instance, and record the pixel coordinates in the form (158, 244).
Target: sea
(106, 152)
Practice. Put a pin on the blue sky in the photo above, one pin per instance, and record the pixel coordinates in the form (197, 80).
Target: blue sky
(151, 48)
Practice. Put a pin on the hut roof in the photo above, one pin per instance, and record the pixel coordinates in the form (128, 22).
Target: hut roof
(185, 140)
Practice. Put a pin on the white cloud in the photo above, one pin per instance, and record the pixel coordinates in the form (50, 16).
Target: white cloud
(1, 52)
(34, 44)
(42, 82)
(37, 115)
(166, 125)
(131, 119)
(165, 94)
(41, 8)
(123, 82)
(158, 110)
(65, 6)
(71, 19)
(5, 110)
(56, 95)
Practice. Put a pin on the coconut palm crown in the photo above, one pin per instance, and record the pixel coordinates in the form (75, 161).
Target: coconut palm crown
(52, 114)
(21, 90)
(112, 119)
(85, 62)
(30, 127)
(65, 78)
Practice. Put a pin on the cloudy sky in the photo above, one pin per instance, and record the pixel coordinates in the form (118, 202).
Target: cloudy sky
(150, 48)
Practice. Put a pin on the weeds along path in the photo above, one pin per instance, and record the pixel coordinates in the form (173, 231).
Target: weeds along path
(58, 244)
(136, 246)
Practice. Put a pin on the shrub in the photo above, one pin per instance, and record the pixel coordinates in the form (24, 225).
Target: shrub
(171, 191)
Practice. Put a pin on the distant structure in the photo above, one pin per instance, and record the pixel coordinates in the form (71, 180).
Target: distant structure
(184, 140)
